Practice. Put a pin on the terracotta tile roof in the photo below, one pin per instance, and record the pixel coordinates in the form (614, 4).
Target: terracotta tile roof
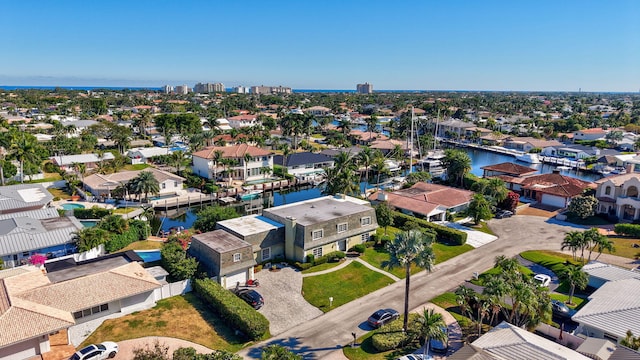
(242, 118)
(555, 184)
(402, 202)
(618, 180)
(388, 144)
(538, 143)
(509, 168)
(592, 131)
(235, 151)
(367, 136)
(443, 195)
(423, 197)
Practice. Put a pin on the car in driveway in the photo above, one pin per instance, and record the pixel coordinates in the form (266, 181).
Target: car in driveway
(413, 357)
(503, 214)
(542, 279)
(440, 346)
(251, 297)
(382, 317)
(105, 350)
(560, 309)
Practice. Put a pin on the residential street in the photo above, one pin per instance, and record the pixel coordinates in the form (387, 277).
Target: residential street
(327, 333)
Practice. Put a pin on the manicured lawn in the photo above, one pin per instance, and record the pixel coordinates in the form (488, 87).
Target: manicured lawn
(366, 351)
(592, 220)
(552, 260)
(136, 167)
(321, 267)
(183, 317)
(445, 252)
(624, 247)
(143, 245)
(124, 210)
(445, 300)
(483, 227)
(63, 195)
(577, 302)
(344, 285)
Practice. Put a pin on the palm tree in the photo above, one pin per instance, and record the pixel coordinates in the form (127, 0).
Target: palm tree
(573, 242)
(372, 123)
(344, 126)
(593, 239)
(458, 164)
(410, 248)
(246, 158)
(177, 160)
(286, 151)
(265, 170)
(430, 325)
(89, 238)
(573, 276)
(365, 157)
(81, 170)
(3, 154)
(217, 157)
(145, 183)
(24, 150)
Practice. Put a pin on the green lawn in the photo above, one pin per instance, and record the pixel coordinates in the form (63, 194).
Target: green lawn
(343, 285)
(366, 351)
(321, 267)
(483, 227)
(143, 245)
(576, 302)
(63, 195)
(124, 210)
(136, 167)
(624, 247)
(552, 260)
(445, 252)
(592, 221)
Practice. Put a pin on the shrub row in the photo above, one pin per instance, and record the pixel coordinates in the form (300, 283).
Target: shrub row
(391, 336)
(627, 230)
(444, 234)
(359, 248)
(92, 213)
(138, 230)
(233, 310)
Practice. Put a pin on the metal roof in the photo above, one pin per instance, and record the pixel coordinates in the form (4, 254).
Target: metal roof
(23, 234)
(66, 160)
(609, 272)
(23, 196)
(613, 308)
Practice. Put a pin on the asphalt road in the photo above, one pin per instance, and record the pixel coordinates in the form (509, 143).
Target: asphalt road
(321, 336)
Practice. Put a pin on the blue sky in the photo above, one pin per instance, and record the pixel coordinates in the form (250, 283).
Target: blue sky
(559, 45)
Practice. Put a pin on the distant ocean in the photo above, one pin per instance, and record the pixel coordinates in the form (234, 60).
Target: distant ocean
(86, 88)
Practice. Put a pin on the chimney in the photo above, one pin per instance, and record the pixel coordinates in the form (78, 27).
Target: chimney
(382, 196)
(289, 237)
(630, 168)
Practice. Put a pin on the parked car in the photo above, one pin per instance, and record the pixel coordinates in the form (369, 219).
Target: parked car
(440, 346)
(503, 214)
(542, 279)
(412, 357)
(251, 297)
(382, 316)
(560, 310)
(105, 350)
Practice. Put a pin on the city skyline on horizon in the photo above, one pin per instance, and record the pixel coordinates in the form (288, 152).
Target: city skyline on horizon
(489, 46)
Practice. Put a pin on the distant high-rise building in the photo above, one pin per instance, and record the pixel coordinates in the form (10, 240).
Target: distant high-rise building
(208, 87)
(270, 90)
(181, 89)
(167, 89)
(240, 89)
(365, 88)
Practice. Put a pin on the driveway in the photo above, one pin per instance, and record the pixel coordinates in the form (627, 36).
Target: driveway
(284, 306)
(475, 238)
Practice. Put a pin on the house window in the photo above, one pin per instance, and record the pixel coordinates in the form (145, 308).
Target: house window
(175, 184)
(316, 234)
(164, 186)
(610, 337)
(365, 221)
(342, 227)
(92, 311)
(266, 254)
(364, 237)
(317, 252)
(607, 190)
(236, 257)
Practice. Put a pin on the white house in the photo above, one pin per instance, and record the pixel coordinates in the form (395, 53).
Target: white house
(66, 162)
(620, 196)
(249, 162)
(590, 134)
(241, 121)
(101, 185)
(142, 155)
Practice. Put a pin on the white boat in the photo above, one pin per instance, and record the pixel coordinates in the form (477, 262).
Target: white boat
(564, 168)
(250, 195)
(528, 158)
(392, 165)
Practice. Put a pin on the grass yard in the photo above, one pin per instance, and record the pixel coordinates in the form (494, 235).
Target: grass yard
(483, 227)
(552, 260)
(63, 195)
(344, 285)
(445, 252)
(577, 302)
(366, 351)
(591, 221)
(183, 317)
(124, 210)
(321, 267)
(136, 167)
(143, 245)
(624, 247)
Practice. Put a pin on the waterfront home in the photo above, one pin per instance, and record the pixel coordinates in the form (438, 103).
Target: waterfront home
(248, 164)
(42, 231)
(506, 171)
(426, 200)
(39, 303)
(101, 185)
(493, 139)
(305, 164)
(590, 134)
(241, 121)
(388, 146)
(143, 155)
(360, 137)
(553, 190)
(265, 235)
(351, 151)
(66, 162)
(619, 195)
(575, 152)
(453, 128)
(318, 111)
(23, 197)
(526, 144)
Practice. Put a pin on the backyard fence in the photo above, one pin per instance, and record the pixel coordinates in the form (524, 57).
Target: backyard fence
(173, 289)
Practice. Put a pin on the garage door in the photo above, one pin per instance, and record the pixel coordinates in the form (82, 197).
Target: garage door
(236, 277)
(552, 200)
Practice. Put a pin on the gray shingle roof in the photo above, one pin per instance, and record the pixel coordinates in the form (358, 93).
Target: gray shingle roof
(614, 308)
(303, 158)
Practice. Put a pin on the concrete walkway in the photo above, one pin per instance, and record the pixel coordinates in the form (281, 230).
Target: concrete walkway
(126, 347)
(346, 263)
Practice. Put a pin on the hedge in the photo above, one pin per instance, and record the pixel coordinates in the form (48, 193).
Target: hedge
(391, 336)
(92, 213)
(444, 234)
(233, 310)
(627, 230)
(120, 241)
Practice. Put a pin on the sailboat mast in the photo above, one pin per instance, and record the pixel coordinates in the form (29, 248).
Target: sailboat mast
(411, 144)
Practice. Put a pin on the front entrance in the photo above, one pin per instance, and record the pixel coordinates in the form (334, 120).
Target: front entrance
(342, 245)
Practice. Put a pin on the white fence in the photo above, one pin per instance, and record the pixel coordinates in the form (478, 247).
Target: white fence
(568, 340)
(173, 289)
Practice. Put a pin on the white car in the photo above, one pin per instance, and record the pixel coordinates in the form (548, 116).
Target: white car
(105, 350)
(542, 279)
(414, 357)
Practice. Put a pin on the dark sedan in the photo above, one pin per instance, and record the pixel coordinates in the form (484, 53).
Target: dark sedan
(560, 309)
(251, 297)
(382, 317)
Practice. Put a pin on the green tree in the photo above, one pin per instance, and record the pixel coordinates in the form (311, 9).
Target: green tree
(406, 249)
(210, 215)
(479, 208)
(277, 352)
(89, 238)
(174, 259)
(458, 164)
(630, 341)
(573, 241)
(574, 277)
(593, 240)
(583, 206)
(429, 325)
(145, 183)
(384, 214)
(418, 176)
(25, 151)
(494, 188)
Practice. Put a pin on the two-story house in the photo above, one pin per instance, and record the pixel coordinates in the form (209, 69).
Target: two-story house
(590, 134)
(526, 144)
(243, 162)
(619, 195)
(305, 164)
(241, 121)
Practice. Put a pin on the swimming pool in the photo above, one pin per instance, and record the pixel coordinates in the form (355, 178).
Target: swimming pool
(163, 197)
(89, 223)
(149, 255)
(72, 206)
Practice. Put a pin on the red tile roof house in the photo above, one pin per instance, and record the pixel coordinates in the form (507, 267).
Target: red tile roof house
(365, 137)
(430, 201)
(243, 121)
(205, 164)
(590, 134)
